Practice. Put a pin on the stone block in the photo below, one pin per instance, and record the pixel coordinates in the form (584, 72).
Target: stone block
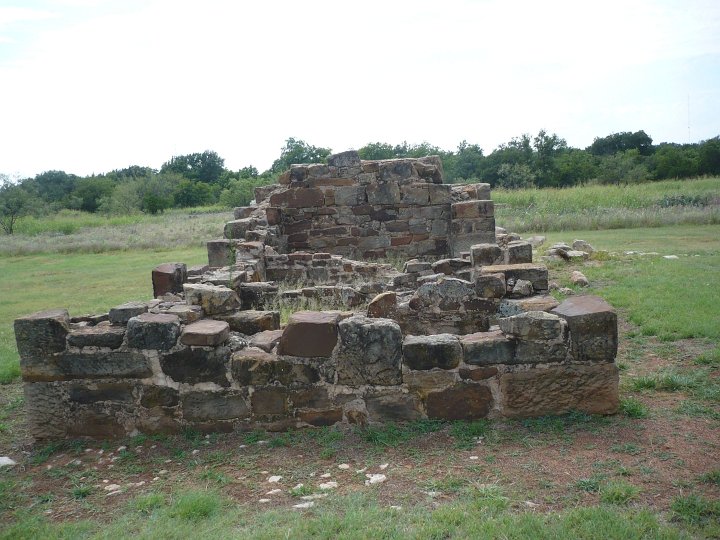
(205, 333)
(159, 396)
(459, 402)
(518, 252)
(487, 348)
(313, 397)
(96, 336)
(87, 392)
(383, 193)
(209, 406)
(534, 325)
(515, 306)
(253, 366)
(350, 195)
(490, 285)
(540, 352)
(186, 314)
(435, 351)
(45, 410)
(440, 193)
(310, 334)
(255, 295)
(98, 365)
(270, 401)
(590, 388)
(213, 299)
(242, 212)
(383, 305)
(486, 254)
(40, 335)
(593, 328)
(298, 198)
(472, 209)
(326, 417)
(220, 253)
(416, 266)
(238, 228)
(251, 322)
(425, 381)
(537, 274)
(393, 406)
(450, 266)
(469, 373)
(415, 194)
(192, 365)
(123, 313)
(266, 340)
(349, 158)
(158, 331)
(369, 352)
(445, 294)
(168, 278)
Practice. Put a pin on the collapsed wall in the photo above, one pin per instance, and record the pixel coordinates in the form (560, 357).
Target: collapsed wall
(471, 336)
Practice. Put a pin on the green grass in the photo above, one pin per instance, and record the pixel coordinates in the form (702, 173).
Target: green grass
(596, 207)
(633, 408)
(618, 492)
(83, 283)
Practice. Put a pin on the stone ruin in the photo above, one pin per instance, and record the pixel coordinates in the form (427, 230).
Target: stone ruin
(466, 330)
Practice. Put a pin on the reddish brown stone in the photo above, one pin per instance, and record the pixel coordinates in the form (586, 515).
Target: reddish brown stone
(168, 278)
(401, 240)
(310, 334)
(327, 417)
(593, 328)
(383, 305)
(298, 198)
(477, 374)
(459, 402)
(266, 340)
(269, 401)
(205, 333)
(273, 215)
(97, 336)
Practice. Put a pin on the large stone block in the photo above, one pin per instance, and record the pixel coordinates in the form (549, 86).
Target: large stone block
(238, 228)
(369, 351)
(310, 334)
(168, 278)
(257, 294)
(593, 328)
(45, 410)
(424, 382)
(158, 331)
(350, 158)
(436, 351)
(253, 366)
(298, 198)
(220, 253)
(383, 305)
(87, 392)
(205, 333)
(96, 365)
(251, 322)
(393, 406)
(534, 273)
(383, 193)
(102, 335)
(209, 406)
(472, 209)
(487, 348)
(350, 195)
(159, 396)
(450, 266)
(440, 194)
(446, 294)
(415, 194)
(123, 313)
(486, 254)
(534, 325)
(518, 252)
(192, 365)
(39, 335)
(490, 285)
(266, 340)
(213, 299)
(459, 402)
(269, 401)
(590, 388)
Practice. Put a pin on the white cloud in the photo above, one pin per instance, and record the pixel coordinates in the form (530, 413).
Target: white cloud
(104, 85)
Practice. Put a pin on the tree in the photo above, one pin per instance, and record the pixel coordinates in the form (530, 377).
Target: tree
(188, 193)
(621, 142)
(54, 186)
(298, 151)
(515, 176)
(377, 150)
(709, 156)
(15, 202)
(464, 164)
(575, 167)
(623, 167)
(675, 161)
(205, 167)
(547, 148)
(91, 190)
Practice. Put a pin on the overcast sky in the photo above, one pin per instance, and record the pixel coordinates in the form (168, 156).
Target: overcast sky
(94, 85)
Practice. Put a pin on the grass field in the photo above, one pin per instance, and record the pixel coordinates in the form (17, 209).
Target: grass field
(650, 472)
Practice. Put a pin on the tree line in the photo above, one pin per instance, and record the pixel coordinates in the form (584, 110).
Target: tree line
(199, 179)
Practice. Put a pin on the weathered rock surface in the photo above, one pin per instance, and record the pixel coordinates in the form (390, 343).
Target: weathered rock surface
(253, 366)
(369, 351)
(205, 333)
(459, 402)
(427, 352)
(578, 278)
(593, 328)
(193, 365)
(213, 299)
(383, 305)
(590, 388)
(97, 336)
(310, 334)
(168, 278)
(158, 331)
(251, 322)
(486, 348)
(533, 325)
(123, 313)
(266, 340)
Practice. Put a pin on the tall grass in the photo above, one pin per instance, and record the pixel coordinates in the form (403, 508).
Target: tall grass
(596, 207)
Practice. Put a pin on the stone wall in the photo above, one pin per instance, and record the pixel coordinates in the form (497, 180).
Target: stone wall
(368, 209)
(157, 367)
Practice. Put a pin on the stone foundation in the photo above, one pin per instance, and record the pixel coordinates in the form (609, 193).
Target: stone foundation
(471, 334)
